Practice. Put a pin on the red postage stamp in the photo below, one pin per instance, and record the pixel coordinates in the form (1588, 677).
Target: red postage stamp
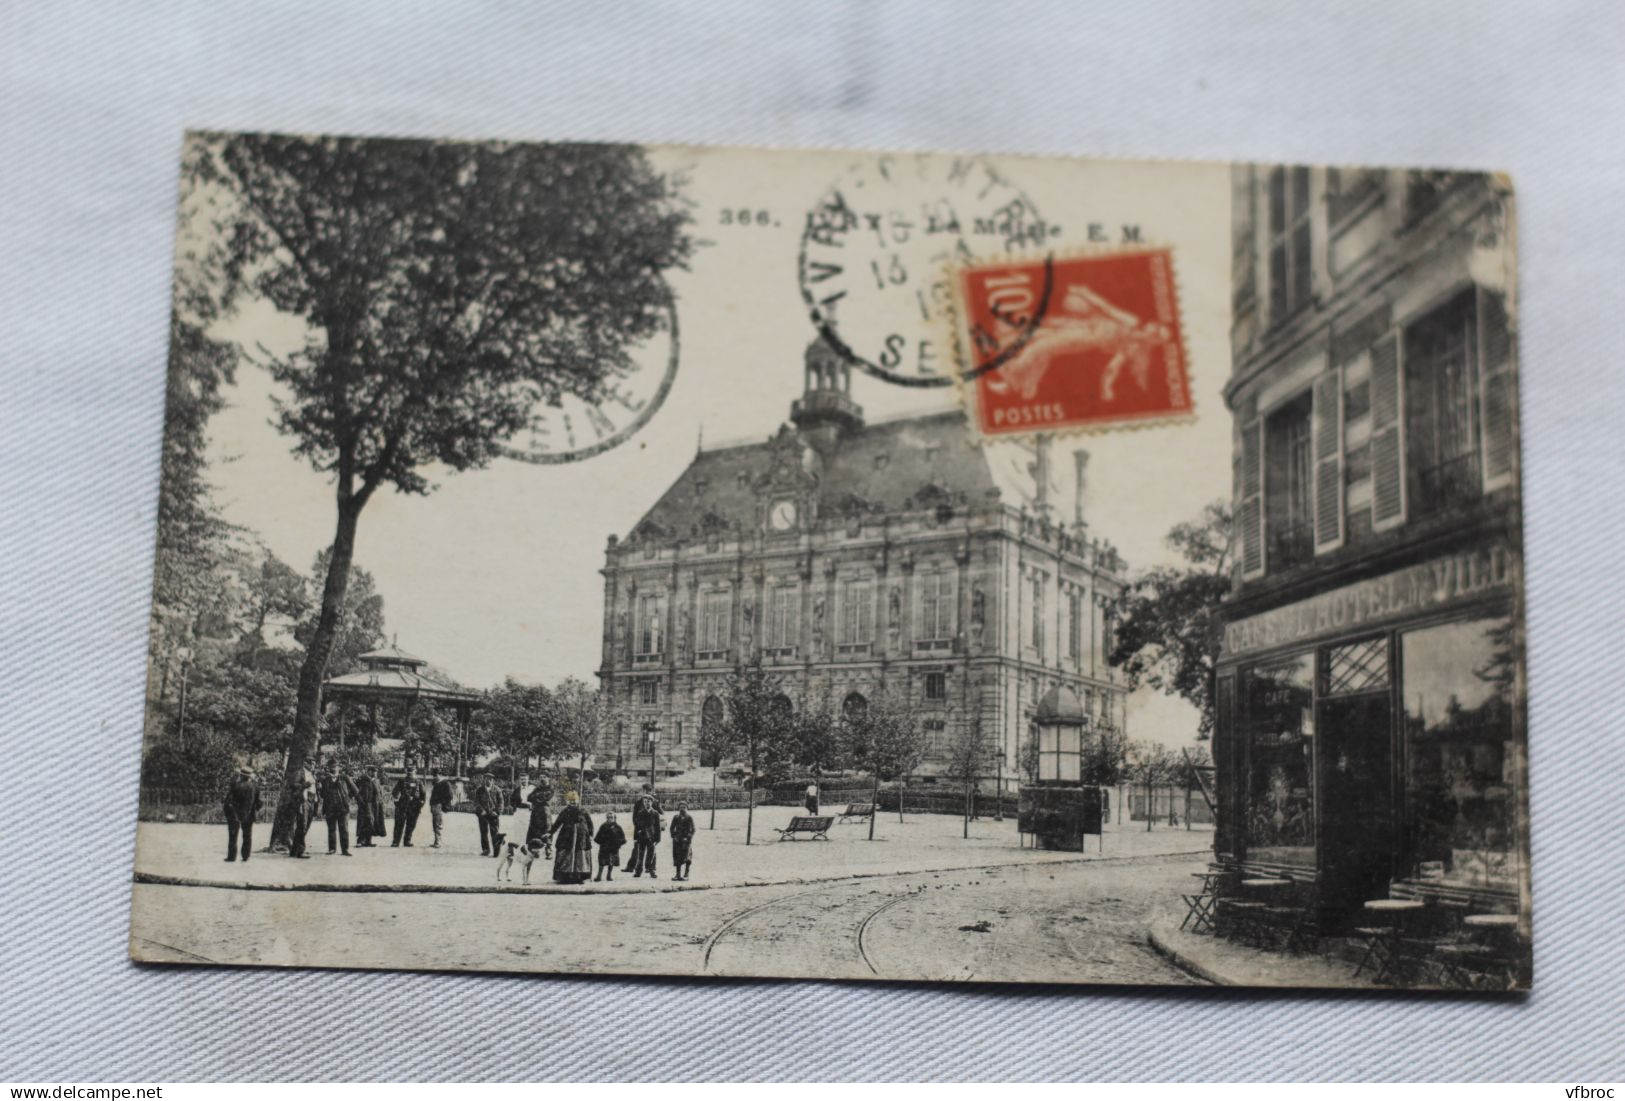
(1079, 342)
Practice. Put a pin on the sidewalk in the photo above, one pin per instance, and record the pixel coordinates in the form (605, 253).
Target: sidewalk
(1226, 963)
(187, 854)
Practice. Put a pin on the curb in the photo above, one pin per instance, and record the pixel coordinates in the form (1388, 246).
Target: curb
(1182, 961)
(156, 879)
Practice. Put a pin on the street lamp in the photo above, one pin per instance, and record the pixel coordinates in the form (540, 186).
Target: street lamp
(185, 654)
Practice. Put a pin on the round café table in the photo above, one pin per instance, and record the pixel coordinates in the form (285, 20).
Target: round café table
(1491, 921)
(1382, 939)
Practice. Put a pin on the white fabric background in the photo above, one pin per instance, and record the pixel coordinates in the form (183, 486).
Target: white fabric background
(93, 100)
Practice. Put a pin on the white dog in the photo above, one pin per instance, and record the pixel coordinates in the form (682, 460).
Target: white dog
(524, 854)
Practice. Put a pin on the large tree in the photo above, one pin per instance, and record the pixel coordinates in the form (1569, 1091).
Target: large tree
(447, 289)
(1168, 622)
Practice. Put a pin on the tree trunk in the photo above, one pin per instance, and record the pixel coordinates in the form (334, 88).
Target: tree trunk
(1150, 806)
(713, 798)
(307, 718)
(874, 805)
(902, 785)
(750, 804)
(967, 809)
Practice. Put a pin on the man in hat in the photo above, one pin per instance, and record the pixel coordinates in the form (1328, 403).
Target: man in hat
(241, 804)
(440, 801)
(645, 836)
(408, 796)
(304, 810)
(338, 792)
(488, 809)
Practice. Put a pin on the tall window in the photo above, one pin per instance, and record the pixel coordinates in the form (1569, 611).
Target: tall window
(936, 686)
(715, 609)
(857, 612)
(651, 623)
(1462, 760)
(649, 692)
(1038, 611)
(1289, 240)
(1440, 444)
(1280, 819)
(1288, 474)
(781, 617)
(1074, 625)
(936, 606)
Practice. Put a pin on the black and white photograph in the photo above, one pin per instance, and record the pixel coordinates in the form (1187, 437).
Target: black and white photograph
(612, 516)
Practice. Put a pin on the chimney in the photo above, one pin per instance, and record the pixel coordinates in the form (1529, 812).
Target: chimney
(1040, 470)
(1080, 459)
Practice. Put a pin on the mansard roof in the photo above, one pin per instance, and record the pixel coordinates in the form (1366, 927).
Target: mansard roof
(885, 467)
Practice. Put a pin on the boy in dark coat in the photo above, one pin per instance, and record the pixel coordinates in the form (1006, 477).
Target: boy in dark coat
(682, 842)
(241, 803)
(539, 821)
(610, 839)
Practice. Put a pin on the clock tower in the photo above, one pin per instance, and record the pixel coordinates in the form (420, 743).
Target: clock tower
(825, 412)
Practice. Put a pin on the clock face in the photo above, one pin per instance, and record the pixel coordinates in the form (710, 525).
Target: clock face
(876, 249)
(782, 516)
(569, 428)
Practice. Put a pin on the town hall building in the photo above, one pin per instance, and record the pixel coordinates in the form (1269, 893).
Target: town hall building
(856, 558)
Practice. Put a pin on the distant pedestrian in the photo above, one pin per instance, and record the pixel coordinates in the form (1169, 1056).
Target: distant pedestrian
(682, 842)
(572, 848)
(488, 810)
(338, 793)
(610, 839)
(408, 796)
(241, 804)
(440, 801)
(811, 801)
(369, 808)
(304, 810)
(645, 836)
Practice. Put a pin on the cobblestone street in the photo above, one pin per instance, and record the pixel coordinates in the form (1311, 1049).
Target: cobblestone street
(1022, 915)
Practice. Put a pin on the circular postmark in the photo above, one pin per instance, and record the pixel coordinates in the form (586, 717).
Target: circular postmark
(566, 428)
(876, 251)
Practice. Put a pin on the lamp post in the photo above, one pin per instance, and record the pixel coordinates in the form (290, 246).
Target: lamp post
(651, 731)
(185, 654)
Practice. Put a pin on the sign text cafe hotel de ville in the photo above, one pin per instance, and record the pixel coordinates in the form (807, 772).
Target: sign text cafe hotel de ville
(1370, 694)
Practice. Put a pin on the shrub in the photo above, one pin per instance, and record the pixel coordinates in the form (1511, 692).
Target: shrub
(203, 763)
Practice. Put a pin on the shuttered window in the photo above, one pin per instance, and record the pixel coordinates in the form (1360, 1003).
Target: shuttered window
(1497, 391)
(1252, 500)
(1387, 435)
(1328, 445)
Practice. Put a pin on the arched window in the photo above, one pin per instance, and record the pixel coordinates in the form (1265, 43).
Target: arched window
(712, 716)
(781, 709)
(854, 707)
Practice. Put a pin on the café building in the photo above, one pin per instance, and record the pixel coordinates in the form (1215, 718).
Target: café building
(1370, 698)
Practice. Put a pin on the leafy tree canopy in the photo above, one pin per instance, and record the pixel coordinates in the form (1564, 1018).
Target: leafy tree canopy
(1168, 623)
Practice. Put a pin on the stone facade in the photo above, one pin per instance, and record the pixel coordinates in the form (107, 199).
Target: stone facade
(854, 559)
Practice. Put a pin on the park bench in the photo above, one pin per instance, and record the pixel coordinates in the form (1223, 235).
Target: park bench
(817, 827)
(858, 810)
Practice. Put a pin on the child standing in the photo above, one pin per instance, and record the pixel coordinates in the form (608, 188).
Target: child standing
(610, 839)
(682, 842)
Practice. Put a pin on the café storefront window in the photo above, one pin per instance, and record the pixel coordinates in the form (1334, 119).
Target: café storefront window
(1461, 758)
(1280, 726)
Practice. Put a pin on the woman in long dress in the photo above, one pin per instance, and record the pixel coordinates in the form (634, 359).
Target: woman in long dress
(572, 849)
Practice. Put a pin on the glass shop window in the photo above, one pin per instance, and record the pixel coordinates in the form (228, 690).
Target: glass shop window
(1461, 761)
(1280, 818)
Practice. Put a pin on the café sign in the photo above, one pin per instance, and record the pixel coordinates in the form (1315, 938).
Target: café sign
(1429, 586)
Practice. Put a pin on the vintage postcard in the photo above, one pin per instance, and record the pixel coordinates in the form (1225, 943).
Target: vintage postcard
(613, 559)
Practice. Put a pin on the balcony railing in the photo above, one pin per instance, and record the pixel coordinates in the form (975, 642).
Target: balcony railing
(1450, 483)
(1290, 544)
